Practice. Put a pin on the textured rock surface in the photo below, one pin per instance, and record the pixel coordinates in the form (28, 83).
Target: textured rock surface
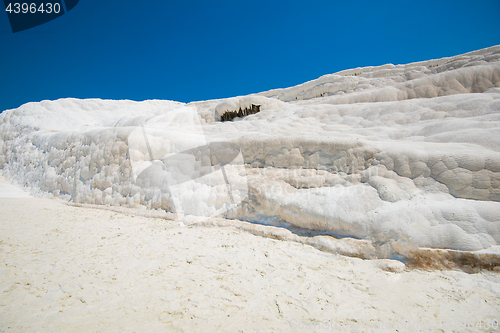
(392, 154)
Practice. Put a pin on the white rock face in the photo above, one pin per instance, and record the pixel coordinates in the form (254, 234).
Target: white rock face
(392, 154)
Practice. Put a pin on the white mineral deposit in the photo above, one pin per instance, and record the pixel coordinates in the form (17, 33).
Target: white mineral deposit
(364, 200)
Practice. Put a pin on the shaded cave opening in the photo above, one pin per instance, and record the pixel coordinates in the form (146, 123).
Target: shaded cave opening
(230, 115)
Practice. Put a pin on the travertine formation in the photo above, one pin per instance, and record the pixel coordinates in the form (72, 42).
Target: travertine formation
(406, 154)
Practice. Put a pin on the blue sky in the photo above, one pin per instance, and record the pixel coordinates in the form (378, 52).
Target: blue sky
(196, 50)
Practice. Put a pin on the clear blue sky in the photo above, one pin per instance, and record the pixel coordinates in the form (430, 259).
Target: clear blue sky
(195, 50)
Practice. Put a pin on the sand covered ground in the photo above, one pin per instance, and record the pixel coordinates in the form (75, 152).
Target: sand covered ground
(72, 269)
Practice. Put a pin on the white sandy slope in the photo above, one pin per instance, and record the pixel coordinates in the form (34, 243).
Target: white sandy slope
(71, 269)
(405, 154)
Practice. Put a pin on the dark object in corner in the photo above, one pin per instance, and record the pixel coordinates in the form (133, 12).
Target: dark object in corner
(230, 115)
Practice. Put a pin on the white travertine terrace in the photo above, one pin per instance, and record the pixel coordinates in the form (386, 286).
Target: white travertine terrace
(390, 154)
